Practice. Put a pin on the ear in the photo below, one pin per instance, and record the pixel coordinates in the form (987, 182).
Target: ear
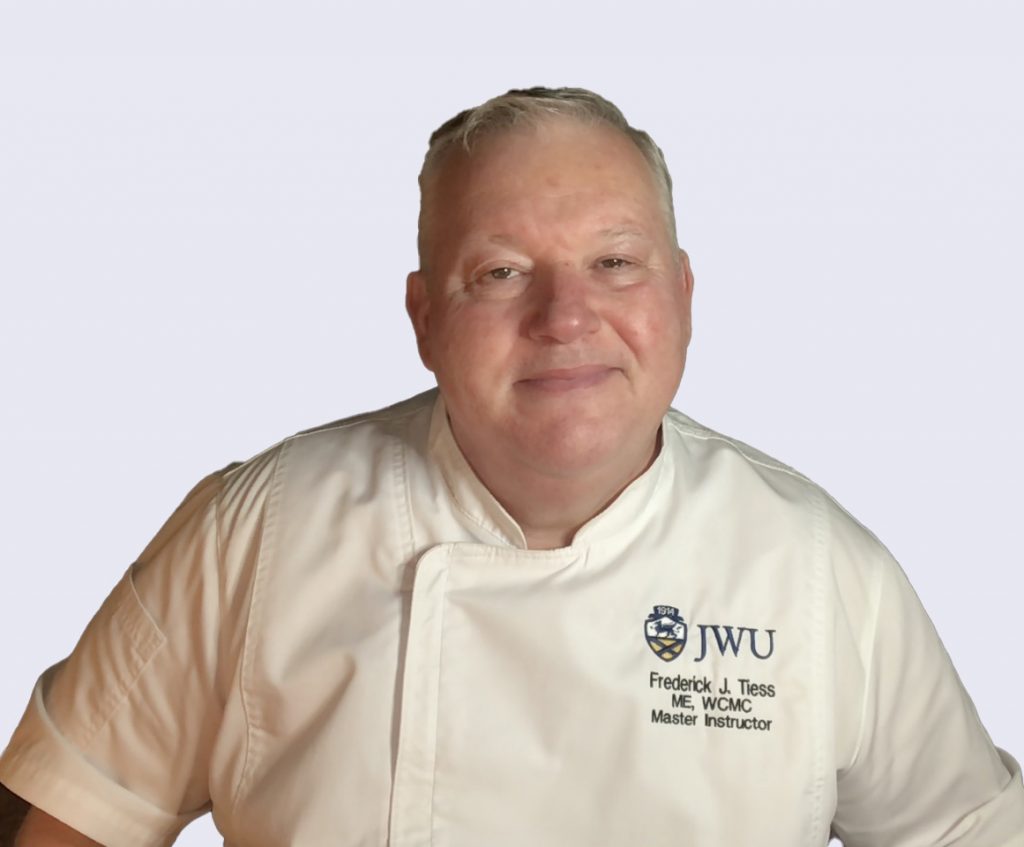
(687, 274)
(686, 291)
(417, 304)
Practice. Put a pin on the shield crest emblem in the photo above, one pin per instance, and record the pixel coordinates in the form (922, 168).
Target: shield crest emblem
(665, 631)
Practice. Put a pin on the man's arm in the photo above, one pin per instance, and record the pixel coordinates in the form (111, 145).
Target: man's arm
(42, 830)
(924, 770)
(130, 690)
(21, 825)
(12, 812)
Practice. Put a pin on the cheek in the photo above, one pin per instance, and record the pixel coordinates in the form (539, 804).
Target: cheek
(474, 339)
(653, 329)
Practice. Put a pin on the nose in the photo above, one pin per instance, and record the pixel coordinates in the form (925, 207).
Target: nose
(563, 308)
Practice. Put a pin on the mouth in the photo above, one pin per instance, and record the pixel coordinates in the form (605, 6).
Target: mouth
(556, 380)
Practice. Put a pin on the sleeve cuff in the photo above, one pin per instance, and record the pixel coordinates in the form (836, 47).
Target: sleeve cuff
(42, 767)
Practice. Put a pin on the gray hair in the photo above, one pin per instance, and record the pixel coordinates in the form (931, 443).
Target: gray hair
(530, 107)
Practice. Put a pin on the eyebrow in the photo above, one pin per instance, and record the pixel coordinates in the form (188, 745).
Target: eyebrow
(501, 238)
(610, 232)
(622, 232)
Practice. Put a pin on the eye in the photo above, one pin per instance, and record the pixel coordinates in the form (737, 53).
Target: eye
(497, 283)
(613, 263)
(500, 273)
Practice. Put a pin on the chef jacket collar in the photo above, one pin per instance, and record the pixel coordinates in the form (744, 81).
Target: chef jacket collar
(482, 511)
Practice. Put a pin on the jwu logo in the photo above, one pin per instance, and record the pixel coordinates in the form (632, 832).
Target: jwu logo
(666, 633)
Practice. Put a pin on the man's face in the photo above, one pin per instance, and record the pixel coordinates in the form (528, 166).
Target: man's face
(553, 307)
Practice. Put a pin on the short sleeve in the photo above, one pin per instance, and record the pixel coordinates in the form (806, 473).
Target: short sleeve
(115, 739)
(925, 771)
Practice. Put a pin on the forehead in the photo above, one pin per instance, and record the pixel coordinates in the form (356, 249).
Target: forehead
(560, 151)
(557, 172)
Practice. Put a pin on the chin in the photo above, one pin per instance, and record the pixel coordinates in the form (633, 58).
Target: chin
(576, 448)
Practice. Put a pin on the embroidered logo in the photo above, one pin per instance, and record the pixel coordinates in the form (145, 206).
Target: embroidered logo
(665, 631)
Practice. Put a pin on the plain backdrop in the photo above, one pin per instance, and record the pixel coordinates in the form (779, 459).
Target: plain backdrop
(207, 211)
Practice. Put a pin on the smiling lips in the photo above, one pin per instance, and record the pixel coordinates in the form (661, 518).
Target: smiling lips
(567, 379)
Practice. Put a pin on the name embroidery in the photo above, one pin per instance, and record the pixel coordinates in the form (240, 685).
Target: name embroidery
(695, 699)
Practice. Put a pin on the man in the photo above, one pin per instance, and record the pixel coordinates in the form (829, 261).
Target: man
(535, 607)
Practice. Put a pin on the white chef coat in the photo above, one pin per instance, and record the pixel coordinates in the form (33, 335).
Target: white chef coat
(344, 641)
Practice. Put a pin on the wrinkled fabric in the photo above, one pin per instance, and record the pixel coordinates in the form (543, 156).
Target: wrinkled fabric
(343, 641)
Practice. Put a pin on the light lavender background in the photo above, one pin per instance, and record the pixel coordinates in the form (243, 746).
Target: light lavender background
(207, 211)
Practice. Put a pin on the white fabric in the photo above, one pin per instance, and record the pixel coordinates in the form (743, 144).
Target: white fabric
(344, 641)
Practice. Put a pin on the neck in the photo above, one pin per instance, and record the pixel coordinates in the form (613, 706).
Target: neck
(551, 507)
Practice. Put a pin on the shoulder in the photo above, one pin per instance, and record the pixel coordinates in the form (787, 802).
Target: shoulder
(761, 484)
(350, 459)
(778, 509)
(352, 451)
(347, 442)
(390, 420)
(402, 424)
(707, 443)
